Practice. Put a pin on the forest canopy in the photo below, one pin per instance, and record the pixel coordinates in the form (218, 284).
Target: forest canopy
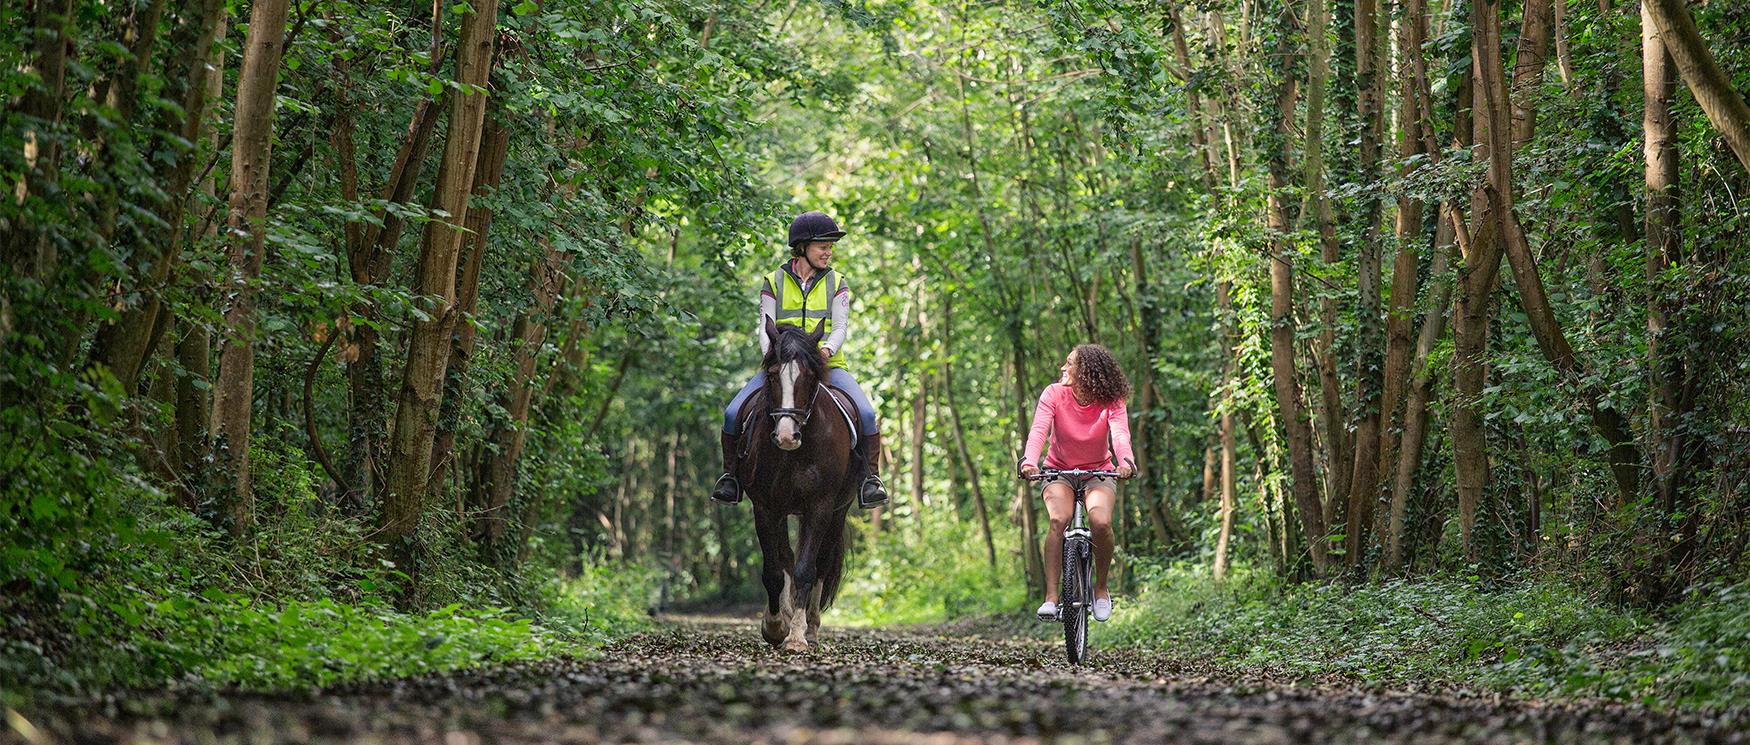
(403, 305)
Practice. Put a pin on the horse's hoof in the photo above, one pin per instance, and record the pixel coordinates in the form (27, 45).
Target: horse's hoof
(795, 647)
(773, 633)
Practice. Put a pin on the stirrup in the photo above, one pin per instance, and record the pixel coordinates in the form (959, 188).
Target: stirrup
(727, 490)
(872, 494)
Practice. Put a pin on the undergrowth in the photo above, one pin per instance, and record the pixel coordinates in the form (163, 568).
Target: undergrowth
(934, 571)
(164, 600)
(1531, 638)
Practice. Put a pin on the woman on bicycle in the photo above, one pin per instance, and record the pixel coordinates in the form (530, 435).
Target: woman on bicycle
(1083, 415)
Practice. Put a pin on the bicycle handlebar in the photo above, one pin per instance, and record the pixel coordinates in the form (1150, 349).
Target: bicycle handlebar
(1051, 473)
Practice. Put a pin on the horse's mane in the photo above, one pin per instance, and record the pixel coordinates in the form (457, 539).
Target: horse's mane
(792, 344)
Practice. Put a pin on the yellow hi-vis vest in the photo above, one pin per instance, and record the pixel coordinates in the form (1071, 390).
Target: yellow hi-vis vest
(807, 306)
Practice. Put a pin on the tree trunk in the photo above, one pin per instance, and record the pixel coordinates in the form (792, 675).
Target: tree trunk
(495, 145)
(1282, 323)
(1412, 30)
(1709, 84)
(1371, 66)
(965, 454)
(368, 259)
(428, 351)
(1032, 560)
(1202, 138)
(1451, 230)
(1564, 60)
(1623, 457)
(1471, 319)
(1029, 541)
(1230, 354)
(28, 250)
(194, 345)
(246, 227)
(1407, 455)
(1339, 453)
(123, 345)
(1666, 360)
(1151, 469)
(496, 483)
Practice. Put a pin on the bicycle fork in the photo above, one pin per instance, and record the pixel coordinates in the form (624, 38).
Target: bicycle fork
(1078, 532)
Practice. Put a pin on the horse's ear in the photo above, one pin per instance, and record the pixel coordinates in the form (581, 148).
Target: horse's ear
(819, 331)
(771, 330)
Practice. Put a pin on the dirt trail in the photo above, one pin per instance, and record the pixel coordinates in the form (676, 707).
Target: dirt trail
(711, 680)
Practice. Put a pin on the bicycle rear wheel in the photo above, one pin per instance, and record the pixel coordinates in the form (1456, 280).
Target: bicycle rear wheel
(1077, 598)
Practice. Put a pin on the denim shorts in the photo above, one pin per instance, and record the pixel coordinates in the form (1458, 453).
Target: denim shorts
(1088, 482)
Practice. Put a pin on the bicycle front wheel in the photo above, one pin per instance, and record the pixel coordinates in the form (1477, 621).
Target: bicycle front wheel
(1078, 598)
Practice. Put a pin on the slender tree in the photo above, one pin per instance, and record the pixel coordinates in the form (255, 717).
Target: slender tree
(1713, 90)
(429, 345)
(246, 226)
(1287, 53)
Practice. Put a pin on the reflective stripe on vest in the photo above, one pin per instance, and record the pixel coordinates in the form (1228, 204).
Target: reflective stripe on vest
(805, 308)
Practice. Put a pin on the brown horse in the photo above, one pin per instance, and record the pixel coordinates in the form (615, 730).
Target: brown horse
(800, 463)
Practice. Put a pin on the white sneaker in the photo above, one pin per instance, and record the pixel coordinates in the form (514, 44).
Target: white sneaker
(1047, 611)
(1102, 608)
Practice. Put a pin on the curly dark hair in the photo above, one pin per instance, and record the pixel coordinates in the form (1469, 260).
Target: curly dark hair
(1098, 379)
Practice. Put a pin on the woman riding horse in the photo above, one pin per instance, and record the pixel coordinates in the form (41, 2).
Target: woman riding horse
(806, 292)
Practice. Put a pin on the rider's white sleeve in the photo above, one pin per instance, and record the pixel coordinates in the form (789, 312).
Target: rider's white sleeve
(841, 319)
(768, 309)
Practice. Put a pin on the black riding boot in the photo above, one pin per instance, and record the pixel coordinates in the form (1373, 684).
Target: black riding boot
(872, 494)
(728, 490)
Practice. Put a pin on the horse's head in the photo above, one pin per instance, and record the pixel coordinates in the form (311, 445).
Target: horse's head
(794, 373)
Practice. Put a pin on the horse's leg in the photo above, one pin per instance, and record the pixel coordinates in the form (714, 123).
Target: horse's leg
(775, 565)
(814, 613)
(802, 596)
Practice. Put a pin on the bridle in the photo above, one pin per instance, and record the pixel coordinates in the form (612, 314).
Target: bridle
(799, 416)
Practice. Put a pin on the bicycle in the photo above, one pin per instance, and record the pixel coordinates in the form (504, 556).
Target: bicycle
(1076, 590)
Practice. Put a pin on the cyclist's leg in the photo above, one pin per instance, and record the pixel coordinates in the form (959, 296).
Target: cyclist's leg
(1101, 496)
(1060, 506)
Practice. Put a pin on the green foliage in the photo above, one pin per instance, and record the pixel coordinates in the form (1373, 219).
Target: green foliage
(232, 642)
(937, 574)
(1532, 638)
(304, 602)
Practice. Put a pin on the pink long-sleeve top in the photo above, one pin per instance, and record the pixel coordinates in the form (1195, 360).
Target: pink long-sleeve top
(1079, 433)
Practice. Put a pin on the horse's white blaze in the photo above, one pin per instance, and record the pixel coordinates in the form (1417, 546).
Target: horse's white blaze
(787, 376)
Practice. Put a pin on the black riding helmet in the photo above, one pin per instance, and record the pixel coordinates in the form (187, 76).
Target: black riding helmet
(812, 226)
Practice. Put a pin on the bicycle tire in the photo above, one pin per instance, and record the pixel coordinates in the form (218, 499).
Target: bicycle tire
(1077, 599)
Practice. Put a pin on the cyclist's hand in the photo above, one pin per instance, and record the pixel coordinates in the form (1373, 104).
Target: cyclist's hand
(1126, 471)
(1029, 470)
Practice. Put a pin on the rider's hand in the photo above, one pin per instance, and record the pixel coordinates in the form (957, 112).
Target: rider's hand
(825, 354)
(1029, 470)
(1126, 471)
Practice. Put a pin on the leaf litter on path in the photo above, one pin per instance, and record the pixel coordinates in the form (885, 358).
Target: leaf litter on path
(711, 680)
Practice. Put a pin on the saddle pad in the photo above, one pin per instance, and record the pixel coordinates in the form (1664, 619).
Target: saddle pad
(849, 409)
